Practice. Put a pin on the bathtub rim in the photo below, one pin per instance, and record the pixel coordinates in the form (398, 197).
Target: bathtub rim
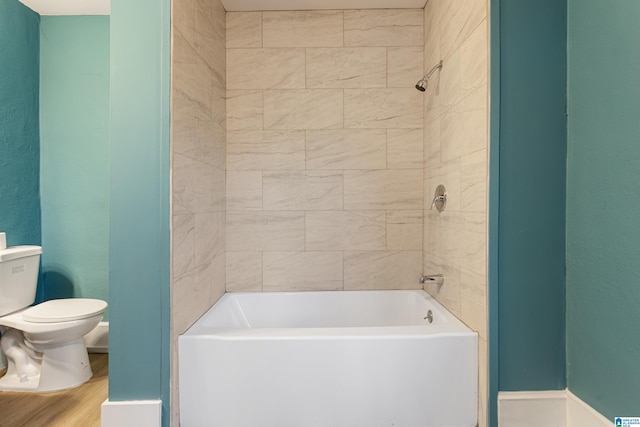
(451, 327)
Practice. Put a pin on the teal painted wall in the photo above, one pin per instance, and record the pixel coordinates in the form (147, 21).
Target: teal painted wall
(530, 268)
(74, 147)
(19, 134)
(140, 200)
(603, 205)
(493, 217)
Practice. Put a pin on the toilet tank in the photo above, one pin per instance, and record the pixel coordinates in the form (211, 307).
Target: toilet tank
(19, 267)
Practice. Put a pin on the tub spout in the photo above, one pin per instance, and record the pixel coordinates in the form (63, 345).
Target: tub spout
(437, 279)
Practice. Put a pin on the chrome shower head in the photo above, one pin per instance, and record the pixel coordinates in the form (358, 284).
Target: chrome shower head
(422, 83)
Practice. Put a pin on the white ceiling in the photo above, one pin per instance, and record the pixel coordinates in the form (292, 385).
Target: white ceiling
(69, 7)
(103, 7)
(238, 5)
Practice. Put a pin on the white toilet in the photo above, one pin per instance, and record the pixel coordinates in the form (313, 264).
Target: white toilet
(44, 344)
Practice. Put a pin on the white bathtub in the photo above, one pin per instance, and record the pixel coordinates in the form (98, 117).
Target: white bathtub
(328, 359)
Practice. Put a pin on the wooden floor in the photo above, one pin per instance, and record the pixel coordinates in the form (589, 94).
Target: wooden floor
(78, 407)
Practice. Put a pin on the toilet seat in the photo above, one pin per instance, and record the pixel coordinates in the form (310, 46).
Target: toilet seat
(64, 310)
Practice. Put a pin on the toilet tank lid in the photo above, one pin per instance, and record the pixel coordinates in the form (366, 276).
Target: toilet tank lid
(64, 310)
(15, 252)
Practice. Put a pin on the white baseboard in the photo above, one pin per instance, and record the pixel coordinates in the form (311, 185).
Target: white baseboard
(579, 414)
(532, 409)
(553, 408)
(97, 341)
(132, 413)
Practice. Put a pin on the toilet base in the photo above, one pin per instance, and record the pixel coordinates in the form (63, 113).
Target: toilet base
(63, 366)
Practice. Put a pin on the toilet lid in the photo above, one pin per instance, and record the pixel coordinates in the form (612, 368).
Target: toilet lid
(64, 310)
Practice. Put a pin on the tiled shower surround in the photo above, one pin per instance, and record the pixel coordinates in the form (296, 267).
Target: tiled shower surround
(323, 175)
(324, 150)
(455, 144)
(198, 138)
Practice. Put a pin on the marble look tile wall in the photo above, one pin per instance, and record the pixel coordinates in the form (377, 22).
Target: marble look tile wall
(198, 126)
(455, 154)
(324, 150)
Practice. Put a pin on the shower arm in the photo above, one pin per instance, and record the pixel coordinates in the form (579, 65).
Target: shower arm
(433, 70)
